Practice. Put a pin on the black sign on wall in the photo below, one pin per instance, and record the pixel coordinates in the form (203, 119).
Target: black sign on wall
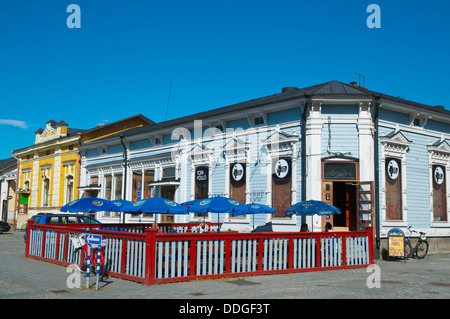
(282, 169)
(237, 172)
(438, 174)
(201, 175)
(393, 168)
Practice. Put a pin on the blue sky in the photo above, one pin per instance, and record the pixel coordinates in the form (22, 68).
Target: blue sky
(122, 59)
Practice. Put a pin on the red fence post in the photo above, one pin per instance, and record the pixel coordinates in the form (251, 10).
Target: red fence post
(344, 251)
(291, 253)
(193, 257)
(150, 249)
(371, 252)
(44, 232)
(318, 253)
(260, 253)
(27, 245)
(228, 256)
(124, 255)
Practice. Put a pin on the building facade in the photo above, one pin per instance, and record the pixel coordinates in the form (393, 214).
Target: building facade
(382, 160)
(49, 170)
(8, 181)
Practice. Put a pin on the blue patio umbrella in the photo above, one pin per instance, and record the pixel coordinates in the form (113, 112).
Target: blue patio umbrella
(255, 208)
(219, 205)
(121, 205)
(190, 203)
(312, 207)
(156, 205)
(88, 204)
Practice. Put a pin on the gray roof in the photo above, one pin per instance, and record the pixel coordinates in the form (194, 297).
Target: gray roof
(5, 163)
(329, 89)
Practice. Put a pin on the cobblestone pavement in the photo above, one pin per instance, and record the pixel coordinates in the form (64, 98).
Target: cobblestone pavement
(22, 278)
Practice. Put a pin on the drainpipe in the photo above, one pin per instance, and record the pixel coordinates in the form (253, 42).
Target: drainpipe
(80, 142)
(16, 206)
(377, 180)
(303, 132)
(125, 173)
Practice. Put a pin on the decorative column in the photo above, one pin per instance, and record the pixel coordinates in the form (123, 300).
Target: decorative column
(313, 158)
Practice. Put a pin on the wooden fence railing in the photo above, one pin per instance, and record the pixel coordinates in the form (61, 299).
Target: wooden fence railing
(169, 257)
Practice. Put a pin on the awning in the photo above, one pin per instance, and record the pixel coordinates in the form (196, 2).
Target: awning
(165, 183)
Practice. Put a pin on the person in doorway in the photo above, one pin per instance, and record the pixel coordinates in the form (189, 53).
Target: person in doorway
(304, 228)
(328, 227)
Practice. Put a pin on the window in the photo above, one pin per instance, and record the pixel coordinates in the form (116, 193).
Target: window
(259, 120)
(339, 170)
(108, 187)
(393, 181)
(69, 189)
(71, 147)
(54, 220)
(93, 180)
(237, 182)
(201, 185)
(136, 193)
(281, 185)
(439, 194)
(46, 192)
(149, 176)
(118, 186)
(168, 173)
(86, 219)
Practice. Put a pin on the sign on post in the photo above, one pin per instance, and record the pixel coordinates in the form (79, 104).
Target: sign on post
(94, 239)
(396, 243)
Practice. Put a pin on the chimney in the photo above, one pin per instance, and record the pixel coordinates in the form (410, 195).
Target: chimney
(289, 89)
(61, 128)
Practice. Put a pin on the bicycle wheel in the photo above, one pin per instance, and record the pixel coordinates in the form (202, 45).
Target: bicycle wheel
(421, 249)
(408, 250)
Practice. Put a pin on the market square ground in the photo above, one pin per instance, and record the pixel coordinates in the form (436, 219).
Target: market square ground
(22, 278)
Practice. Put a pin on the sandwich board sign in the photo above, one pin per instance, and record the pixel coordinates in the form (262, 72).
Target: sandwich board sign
(396, 243)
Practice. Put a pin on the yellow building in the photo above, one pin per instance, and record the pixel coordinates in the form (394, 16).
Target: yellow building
(49, 170)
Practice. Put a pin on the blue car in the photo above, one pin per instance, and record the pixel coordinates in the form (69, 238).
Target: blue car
(61, 219)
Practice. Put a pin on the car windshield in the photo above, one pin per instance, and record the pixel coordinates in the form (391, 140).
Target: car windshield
(87, 219)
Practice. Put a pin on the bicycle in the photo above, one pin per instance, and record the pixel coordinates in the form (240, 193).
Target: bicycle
(420, 250)
(79, 244)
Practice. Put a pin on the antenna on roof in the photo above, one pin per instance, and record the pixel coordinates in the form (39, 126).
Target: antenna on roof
(359, 80)
(168, 100)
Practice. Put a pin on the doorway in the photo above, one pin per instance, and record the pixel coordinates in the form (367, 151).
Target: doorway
(355, 201)
(168, 192)
(344, 198)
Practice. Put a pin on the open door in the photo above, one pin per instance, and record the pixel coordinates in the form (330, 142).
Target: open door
(327, 196)
(364, 207)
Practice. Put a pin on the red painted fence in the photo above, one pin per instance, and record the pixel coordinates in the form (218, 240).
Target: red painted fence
(152, 258)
